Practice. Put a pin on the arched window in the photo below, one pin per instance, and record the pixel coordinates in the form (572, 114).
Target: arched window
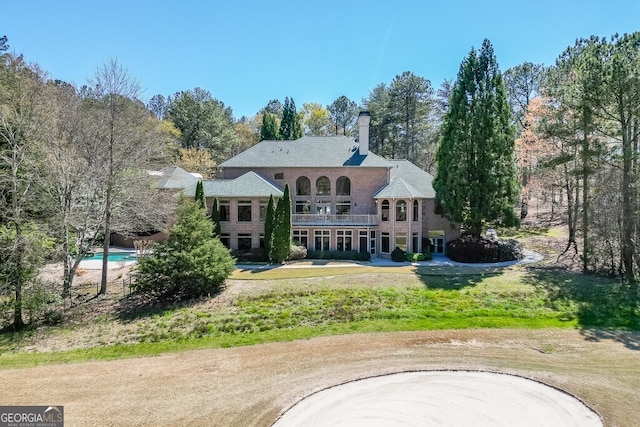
(385, 210)
(343, 186)
(401, 210)
(323, 186)
(303, 186)
(416, 211)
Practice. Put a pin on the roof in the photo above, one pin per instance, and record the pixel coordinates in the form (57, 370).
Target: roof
(173, 177)
(308, 151)
(248, 185)
(408, 181)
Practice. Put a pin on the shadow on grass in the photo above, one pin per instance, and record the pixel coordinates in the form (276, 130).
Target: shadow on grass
(138, 306)
(454, 278)
(605, 308)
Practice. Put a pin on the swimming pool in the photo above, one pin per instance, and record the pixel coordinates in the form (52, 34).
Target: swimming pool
(126, 256)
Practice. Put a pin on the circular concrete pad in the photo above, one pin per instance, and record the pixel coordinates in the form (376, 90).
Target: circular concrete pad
(440, 398)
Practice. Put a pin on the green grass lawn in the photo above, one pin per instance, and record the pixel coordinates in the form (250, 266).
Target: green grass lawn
(292, 303)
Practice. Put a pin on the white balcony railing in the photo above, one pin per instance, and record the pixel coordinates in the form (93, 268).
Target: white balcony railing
(320, 219)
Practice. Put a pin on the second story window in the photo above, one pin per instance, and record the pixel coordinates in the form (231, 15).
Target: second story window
(385, 210)
(415, 210)
(244, 211)
(224, 210)
(303, 186)
(323, 186)
(263, 210)
(401, 210)
(343, 186)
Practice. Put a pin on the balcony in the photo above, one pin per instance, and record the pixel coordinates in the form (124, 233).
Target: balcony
(334, 220)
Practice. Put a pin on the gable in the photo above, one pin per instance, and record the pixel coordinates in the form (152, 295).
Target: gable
(407, 181)
(249, 185)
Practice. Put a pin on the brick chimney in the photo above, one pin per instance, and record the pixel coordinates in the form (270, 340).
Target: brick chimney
(363, 132)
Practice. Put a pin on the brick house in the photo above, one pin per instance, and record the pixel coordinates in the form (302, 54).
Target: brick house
(343, 196)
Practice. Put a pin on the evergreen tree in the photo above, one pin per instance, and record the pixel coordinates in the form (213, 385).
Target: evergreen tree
(476, 181)
(281, 234)
(291, 125)
(268, 224)
(343, 113)
(190, 263)
(200, 195)
(269, 128)
(215, 217)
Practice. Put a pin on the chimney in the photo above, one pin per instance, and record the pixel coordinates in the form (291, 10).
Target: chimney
(363, 132)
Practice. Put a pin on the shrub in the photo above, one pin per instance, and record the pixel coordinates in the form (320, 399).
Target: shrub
(339, 255)
(398, 255)
(297, 252)
(252, 255)
(418, 257)
(468, 249)
(190, 263)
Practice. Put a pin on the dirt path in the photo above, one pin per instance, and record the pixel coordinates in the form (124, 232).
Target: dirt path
(252, 386)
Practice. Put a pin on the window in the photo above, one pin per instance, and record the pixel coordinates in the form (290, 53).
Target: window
(323, 207)
(373, 242)
(385, 243)
(401, 210)
(322, 240)
(263, 211)
(343, 207)
(301, 237)
(415, 243)
(244, 211)
(262, 240)
(279, 176)
(345, 240)
(303, 186)
(385, 210)
(226, 241)
(303, 206)
(401, 241)
(224, 210)
(416, 210)
(244, 242)
(323, 186)
(363, 240)
(343, 186)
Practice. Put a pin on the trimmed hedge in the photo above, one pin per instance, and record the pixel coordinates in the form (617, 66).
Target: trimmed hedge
(467, 249)
(339, 255)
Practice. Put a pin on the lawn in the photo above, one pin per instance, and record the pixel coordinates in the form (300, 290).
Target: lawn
(284, 304)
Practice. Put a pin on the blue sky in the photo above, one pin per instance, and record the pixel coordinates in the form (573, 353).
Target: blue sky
(248, 52)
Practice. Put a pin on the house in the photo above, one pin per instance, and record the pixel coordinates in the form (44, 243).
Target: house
(343, 196)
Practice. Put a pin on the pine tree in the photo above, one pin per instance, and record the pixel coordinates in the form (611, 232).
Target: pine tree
(190, 263)
(215, 217)
(291, 125)
(476, 181)
(269, 128)
(200, 195)
(268, 224)
(281, 234)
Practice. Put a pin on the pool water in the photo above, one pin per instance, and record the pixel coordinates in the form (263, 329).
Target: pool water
(115, 256)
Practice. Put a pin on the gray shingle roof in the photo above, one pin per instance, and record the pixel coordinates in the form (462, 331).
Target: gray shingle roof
(407, 181)
(174, 177)
(308, 151)
(248, 185)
